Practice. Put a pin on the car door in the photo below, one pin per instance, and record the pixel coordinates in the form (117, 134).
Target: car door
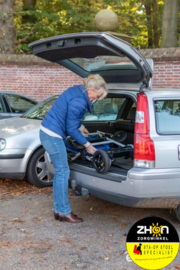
(117, 61)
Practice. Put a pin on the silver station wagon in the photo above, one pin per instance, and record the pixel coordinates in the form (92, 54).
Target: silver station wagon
(147, 119)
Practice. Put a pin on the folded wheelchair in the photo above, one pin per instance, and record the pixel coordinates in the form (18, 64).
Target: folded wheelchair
(109, 147)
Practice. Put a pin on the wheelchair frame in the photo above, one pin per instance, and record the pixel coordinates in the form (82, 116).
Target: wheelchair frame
(107, 150)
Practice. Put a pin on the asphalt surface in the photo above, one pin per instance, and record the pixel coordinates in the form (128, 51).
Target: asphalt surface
(30, 238)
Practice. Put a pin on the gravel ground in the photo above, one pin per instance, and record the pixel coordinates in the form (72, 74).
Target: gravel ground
(32, 239)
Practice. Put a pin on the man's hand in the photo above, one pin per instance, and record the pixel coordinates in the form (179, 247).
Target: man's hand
(85, 132)
(90, 149)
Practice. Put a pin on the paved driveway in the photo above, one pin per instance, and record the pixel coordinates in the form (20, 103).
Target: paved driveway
(30, 238)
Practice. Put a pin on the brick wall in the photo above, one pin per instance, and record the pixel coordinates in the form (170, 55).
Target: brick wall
(39, 79)
(33, 77)
(166, 74)
(166, 67)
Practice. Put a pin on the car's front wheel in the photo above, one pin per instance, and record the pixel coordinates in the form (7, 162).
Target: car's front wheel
(37, 173)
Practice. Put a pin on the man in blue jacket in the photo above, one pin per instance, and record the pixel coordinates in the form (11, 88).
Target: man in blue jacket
(62, 120)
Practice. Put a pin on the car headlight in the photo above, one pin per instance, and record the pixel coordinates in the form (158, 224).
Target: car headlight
(2, 144)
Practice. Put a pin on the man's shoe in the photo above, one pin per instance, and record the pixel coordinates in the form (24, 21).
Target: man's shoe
(56, 216)
(70, 218)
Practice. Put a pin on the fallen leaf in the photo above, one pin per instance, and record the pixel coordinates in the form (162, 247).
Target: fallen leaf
(14, 219)
(106, 259)
(110, 235)
(83, 212)
(40, 217)
(16, 188)
(123, 224)
(116, 216)
(91, 208)
(177, 266)
(22, 230)
(109, 248)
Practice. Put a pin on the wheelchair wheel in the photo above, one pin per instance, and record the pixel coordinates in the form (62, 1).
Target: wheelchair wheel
(101, 161)
(120, 136)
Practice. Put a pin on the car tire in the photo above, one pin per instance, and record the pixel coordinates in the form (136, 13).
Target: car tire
(120, 136)
(37, 173)
(177, 211)
(101, 161)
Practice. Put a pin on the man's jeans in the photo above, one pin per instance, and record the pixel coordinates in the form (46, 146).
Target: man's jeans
(57, 152)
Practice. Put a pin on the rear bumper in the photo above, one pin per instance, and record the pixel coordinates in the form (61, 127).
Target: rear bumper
(151, 174)
(141, 188)
(161, 202)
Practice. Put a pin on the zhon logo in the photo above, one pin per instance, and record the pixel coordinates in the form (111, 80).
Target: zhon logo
(152, 243)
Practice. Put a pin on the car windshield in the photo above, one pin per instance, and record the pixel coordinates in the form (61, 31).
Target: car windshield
(40, 110)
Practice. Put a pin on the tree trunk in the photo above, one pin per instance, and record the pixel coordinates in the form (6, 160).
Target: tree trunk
(29, 3)
(149, 22)
(155, 24)
(7, 27)
(170, 23)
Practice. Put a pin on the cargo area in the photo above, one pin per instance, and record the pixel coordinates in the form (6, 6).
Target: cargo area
(115, 117)
(119, 169)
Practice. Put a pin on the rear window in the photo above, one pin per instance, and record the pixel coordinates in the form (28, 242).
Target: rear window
(167, 116)
(112, 68)
(105, 62)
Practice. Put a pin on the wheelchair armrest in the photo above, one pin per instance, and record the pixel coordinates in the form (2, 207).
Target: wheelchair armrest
(75, 144)
(78, 146)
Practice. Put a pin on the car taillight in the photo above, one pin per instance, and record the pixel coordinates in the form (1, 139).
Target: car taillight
(144, 152)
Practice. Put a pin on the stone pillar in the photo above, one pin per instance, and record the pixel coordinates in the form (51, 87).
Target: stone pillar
(107, 21)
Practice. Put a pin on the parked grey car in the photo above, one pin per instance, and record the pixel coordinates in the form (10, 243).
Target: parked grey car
(21, 153)
(13, 104)
(150, 118)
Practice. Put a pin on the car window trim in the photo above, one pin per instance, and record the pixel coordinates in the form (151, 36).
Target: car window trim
(6, 103)
(3, 105)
